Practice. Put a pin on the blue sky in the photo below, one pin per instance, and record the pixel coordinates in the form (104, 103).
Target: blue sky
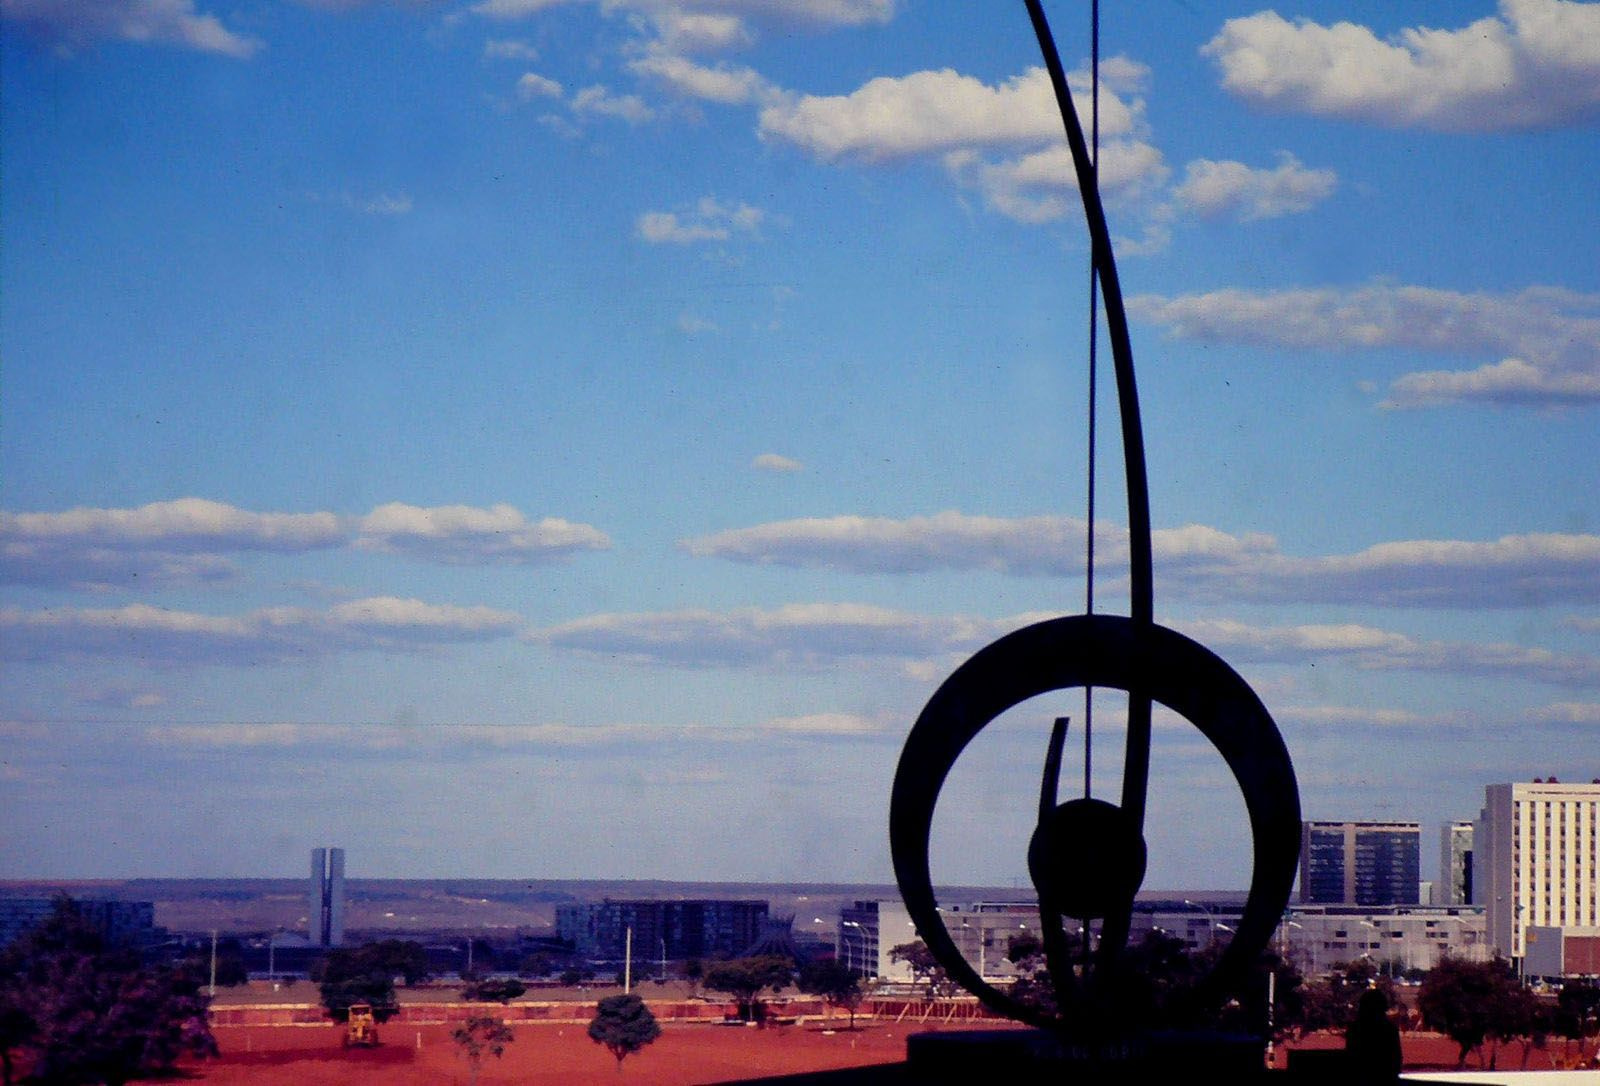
(536, 439)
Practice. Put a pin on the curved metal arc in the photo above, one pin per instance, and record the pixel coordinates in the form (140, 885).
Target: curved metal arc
(1141, 577)
(1107, 651)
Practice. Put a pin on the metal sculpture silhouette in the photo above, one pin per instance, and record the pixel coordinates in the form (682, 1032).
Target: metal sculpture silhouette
(1087, 856)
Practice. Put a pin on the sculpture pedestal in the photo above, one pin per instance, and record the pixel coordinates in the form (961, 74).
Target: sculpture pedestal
(1026, 1056)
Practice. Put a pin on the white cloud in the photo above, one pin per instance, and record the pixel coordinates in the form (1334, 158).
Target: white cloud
(1512, 381)
(932, 112)
(1551, 336)
(514, 9)
(533, 85)
(74, 23)
(1362, 718)
(160, 543)
(806, 636)
(691, 324)
(1535, 64)
(1382, 650)
(1196, 561)
(121, 697)
(1588, 625)
(777, 463)
(1042, 186)
(386, 204)
(1213, 188)
(722, 84)
(509, 49)
(1003, 140)
(708, 19)
(824, 724)
(187, 540)
(456, 738)
(598, 101)
(1582, 713)
(699, 31)
(157, 637)
(820, 635)
(948, 540)
(466, 535)
(708, 220)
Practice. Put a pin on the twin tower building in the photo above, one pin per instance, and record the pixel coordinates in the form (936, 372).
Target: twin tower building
(325, 908)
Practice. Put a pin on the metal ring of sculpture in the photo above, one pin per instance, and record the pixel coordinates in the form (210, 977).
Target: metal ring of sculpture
(1108, 651)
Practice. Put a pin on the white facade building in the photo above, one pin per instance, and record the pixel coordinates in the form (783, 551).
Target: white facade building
(1537, 859)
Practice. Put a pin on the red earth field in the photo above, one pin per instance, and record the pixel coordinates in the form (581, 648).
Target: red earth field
(560, 1053)
(552, 1054)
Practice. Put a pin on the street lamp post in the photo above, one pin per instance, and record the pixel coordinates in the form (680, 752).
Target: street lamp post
(1211, 920)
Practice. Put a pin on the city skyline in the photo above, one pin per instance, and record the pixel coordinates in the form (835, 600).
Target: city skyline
(570, 439)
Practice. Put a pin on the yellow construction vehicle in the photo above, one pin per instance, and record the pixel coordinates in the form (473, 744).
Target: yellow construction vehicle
(361, 1029)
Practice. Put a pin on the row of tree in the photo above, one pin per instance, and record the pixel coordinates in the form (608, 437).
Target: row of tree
(1158, 985)
(75, 1009)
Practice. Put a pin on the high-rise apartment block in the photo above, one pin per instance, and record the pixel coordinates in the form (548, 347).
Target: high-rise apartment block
(1455, 864)
(325, 916)
(1537, 860)
(1360, 863)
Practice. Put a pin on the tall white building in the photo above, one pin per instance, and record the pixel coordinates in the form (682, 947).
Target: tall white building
(1536, 859)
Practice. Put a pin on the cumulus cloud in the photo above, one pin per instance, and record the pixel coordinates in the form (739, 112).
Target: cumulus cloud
(1581, 713)
(933, 112)
(159, 543)
(1003, 140)
(1551, 336)
(775, 462)
(1196, 561)
(1535, 64)
(457, 737)
(599, 101)
(1383, 650)
(691, 324)
(722, 84)
(188, 540)
(817, 635)
(509, 49)
(75, 23)
(460, 535)
(807, 636)
(533, 85)
(948, 540)
(718, 21)
(1512, 381)
(707, 220)
(699, 31)
(157, 637)
(1214, 189)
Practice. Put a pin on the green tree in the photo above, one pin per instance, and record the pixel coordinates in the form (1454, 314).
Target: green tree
(745, 979)
(493, 990)
(925, 968)
(624, 1025)
(1469, 1002)
(835, 982)
(360, 975)
(230, 964)
(481, 1035)
(1329, 1003)
(1577, 1016)
(87, 1012)
(401, 958)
